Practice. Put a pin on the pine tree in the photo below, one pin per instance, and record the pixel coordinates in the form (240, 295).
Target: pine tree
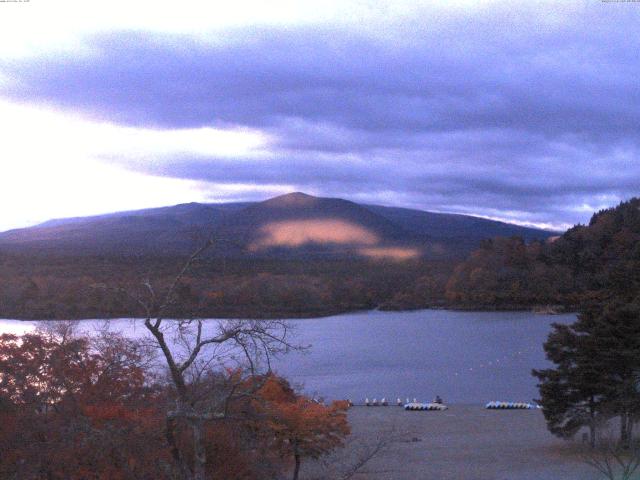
(613, 335)
(573, 393)
(597, 371)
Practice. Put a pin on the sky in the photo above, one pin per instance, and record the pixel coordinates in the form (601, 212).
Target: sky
(521, 111)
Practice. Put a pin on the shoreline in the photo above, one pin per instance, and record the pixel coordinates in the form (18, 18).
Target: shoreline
(464, 442)
(536, 309)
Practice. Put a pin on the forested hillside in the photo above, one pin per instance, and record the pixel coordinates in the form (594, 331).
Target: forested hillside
(578, 265)
(504, 273)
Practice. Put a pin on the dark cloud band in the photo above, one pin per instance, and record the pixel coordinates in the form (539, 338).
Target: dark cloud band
(533, 118)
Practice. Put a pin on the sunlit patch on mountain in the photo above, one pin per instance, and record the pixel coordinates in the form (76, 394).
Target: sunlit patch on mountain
(390, 253)
(297, 233)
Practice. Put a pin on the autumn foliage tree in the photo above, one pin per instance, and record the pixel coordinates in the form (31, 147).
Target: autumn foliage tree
(301, 427)
(74, 407)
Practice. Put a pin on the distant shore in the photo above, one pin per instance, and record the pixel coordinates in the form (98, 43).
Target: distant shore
(301, 314)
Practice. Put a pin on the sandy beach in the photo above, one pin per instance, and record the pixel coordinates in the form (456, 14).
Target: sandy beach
(463, 443)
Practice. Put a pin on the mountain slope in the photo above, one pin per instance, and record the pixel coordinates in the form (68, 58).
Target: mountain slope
(167, 230)
(294, 224)
(300, 224)
(449, 225)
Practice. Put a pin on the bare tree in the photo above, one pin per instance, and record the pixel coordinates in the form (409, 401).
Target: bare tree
(612, 459)
(195, 352)
(351, 461)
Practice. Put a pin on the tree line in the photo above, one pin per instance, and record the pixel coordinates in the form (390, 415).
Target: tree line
(50, 287)
(587, 263)
(595, 379)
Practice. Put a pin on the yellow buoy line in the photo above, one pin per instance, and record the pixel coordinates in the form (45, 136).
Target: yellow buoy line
(498, 362)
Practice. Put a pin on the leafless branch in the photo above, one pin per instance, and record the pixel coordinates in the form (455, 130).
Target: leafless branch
(613, 461)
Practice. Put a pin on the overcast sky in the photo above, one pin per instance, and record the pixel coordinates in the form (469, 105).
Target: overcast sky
(521, 111)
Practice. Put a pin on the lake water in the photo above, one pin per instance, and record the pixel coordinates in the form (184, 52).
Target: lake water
(465, 357)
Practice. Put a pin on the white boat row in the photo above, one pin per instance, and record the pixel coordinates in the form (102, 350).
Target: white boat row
(376, 403)
(384, 402)
(408, 405)
(510, 405)
(439, 406)
(425, 406)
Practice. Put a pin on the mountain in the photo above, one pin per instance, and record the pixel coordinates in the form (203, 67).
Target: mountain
(451, 225)
(295, 224)
(158, 231)
(301, 225)
(290, 256)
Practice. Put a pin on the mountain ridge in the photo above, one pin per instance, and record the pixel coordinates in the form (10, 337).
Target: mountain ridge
(294, 223)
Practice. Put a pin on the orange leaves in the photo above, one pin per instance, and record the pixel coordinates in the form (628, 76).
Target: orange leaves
(276, 390)
(300, 425)
(78, 409)
(104, 413)
(83, 408)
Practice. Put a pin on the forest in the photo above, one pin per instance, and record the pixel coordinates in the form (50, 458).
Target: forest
(587, 263)
(33, 287)
(503, 273)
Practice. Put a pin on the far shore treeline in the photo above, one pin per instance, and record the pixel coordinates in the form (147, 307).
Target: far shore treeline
(502, 273)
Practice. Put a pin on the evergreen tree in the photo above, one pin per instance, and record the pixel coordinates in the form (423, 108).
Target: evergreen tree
(597, 371)
(573, 393)
(613, 335)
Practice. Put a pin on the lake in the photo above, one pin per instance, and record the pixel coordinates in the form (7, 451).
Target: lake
(465, 357)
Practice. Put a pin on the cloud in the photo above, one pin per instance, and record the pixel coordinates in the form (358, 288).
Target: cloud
(51, 165)
(524, 113)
